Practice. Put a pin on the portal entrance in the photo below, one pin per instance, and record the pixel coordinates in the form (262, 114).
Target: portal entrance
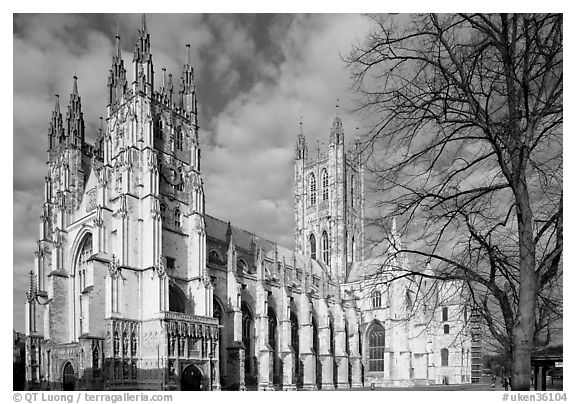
(191, 379)
(68, 378)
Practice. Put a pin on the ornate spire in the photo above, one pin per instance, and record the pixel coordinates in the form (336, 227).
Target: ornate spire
(75, 117)
(301, 148)
(337, 131)
(56, 133)
(187, 74)
(142, 48)
(117, 78)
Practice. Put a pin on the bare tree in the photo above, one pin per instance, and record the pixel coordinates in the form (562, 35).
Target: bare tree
(465, 145)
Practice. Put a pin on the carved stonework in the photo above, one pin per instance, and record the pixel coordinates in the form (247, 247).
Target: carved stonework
(98, 220)
(114, 267)
(160, 268)
(207, 280)
(91, 202)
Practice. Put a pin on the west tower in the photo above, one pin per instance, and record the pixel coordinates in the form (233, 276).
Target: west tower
(329, 201)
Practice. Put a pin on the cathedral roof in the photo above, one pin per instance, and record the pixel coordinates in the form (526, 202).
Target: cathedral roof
(217, 230)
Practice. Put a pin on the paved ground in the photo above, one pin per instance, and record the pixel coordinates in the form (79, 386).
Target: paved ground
(455, 387)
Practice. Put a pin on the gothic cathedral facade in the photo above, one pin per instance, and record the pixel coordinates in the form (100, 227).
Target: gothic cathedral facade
(135, 287)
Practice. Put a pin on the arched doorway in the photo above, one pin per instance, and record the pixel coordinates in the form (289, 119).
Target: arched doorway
(68, 377)
(191, 379)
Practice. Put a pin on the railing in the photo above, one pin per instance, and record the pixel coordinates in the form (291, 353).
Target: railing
(172, 315)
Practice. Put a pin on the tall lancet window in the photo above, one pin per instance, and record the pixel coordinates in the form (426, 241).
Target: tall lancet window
(82, 265)
(325, 248)
(324, 185)
(313, 246)
(312, 189)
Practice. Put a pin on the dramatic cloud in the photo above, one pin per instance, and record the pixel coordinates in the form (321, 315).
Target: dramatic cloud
(256, 76)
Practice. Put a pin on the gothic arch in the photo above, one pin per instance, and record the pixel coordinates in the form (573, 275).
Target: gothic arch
(374, 346)
(214, 257)
(68, 376)
(177, 299)
(79, 240)
(248, 339)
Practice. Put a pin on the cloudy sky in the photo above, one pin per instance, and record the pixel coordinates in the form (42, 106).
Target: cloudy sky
(256, 75)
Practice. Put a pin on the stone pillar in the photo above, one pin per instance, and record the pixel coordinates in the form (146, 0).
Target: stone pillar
(341, 358)
(264, 353)
(235, 350)
(286, 352)
(307, 356)
(326, 356)
(355, 357)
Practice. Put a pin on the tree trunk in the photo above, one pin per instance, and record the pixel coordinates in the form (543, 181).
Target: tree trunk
(523, 332)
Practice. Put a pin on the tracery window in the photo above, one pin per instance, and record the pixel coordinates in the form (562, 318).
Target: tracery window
(325, 248)
(179, 142)
(376, 349)
(312, 189)
(444, 357)
(214, 257)
(247, 337)
(324, 185)
(242, 266)
(312, 246)
(376, 299)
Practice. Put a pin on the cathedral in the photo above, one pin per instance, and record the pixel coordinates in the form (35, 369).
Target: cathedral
(135, 287)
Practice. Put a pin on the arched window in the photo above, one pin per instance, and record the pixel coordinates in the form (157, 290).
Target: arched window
(242, 266)
(179, 142)
(446, 329)
(180, 186)
(444, 313)
(177, 300)
(312, 189)
(325, 248)
(324, 185)
(247, 337)
(163, 211)
(376, 299)
(444, 357)
(158, 127)
(312, 246)
(177, 219)
(81, 271)
(376, 349)
(215, 257)
(95, 357)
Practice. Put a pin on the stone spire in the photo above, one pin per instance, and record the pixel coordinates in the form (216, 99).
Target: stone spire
(142, 48)
(301, 147)
(337, 131)
(187, 86)
(75, 117)
(56, 134)
(142, 62)
(117, 78)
